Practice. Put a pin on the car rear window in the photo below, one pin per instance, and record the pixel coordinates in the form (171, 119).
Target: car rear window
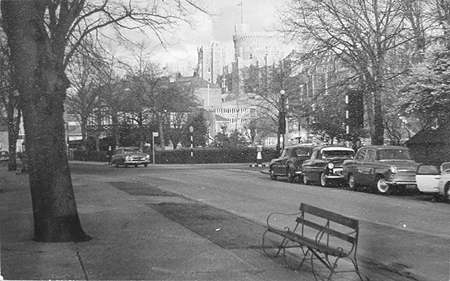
(400, 154)
(337, 153)
(428, 170)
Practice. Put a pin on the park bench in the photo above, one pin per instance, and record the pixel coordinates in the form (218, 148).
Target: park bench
(320, 234)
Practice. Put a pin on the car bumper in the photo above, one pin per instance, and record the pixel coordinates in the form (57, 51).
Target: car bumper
(335, 174)
(408, 184)
(135, 162)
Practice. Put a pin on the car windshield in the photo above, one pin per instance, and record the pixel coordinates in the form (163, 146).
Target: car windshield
(337, 154)
(445, 167)
(388, 154)
(131, 150)
(302, 152)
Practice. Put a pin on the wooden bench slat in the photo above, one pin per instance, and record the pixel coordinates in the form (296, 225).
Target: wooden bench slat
(335, 233)
(352, 223)
(310, 243)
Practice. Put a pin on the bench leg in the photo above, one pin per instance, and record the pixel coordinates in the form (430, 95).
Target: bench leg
(355, 264)
(305, 254)
(273, 248)
(325, 260)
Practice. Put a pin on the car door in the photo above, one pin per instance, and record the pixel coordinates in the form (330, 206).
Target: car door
(428, 178)
(367, 170)
(307, 165)
(356, 165)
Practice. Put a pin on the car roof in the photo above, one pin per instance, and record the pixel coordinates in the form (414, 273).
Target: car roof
(300, 145)
(340, 147)
(385, 147)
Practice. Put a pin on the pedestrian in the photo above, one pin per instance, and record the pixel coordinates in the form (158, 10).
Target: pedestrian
(356, 145)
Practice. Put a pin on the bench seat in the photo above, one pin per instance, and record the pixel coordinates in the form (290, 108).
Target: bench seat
(310, 243)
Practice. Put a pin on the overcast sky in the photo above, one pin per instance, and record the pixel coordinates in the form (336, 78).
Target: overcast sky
(260, 15)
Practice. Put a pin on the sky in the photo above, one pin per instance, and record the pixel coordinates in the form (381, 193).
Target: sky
(260, 15)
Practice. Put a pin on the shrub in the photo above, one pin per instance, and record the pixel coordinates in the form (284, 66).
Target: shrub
(181, 156)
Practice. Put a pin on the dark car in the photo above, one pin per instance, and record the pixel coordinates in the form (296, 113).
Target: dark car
(4, 155)
(325, 165)
(382, 168)
(129, 156)
(289, 164)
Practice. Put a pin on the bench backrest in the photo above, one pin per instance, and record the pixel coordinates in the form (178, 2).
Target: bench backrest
(332, 224)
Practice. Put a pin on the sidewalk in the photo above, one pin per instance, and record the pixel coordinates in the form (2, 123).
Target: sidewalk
(130, 241)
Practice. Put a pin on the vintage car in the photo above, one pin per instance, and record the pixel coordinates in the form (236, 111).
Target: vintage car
(4, 155)
(383, 169)
(434, 180)
(325, 165)
(127, 156)
(289, 164)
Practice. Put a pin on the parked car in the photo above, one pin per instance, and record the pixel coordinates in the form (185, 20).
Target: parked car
(4, 155)
(129, 156)
(325, 165)
(289, 164)
(383, 169)
(434, 180)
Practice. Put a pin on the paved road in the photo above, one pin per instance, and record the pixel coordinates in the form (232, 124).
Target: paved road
(409, 234)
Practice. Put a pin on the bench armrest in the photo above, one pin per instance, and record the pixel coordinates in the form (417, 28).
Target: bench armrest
(272, 217)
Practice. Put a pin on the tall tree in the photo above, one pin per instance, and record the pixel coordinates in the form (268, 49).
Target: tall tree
(360, 34)
(84, 73)
(42, 36)
(9, 101)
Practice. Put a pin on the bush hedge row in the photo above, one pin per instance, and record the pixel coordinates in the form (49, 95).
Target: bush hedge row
(200, 155)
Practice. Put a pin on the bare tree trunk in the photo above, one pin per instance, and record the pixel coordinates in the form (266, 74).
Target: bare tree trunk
(161, 131)
(378, 136)
(115, 129)
(14, 116)
(84, 130)
(42, 85)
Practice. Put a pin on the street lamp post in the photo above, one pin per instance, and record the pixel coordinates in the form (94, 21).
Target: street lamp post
(154, 134)
(282, 119)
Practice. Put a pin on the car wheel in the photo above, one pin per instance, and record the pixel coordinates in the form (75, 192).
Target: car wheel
(272, 174)
(447, 192)
(291, 175)
(126, 165)
(117, 165)
(305, 180)
(145, 165)
(135, 165)
(323, 180)
(382, 186)
(351, 182)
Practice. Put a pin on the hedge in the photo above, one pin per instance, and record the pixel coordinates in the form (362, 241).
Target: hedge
(200, 155)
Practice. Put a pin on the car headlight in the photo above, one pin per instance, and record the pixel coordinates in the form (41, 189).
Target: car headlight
(147, 157)
(330, 166)
(127, 158)
(393, 169)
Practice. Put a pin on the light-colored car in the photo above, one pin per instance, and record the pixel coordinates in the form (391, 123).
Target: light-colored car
(127, 156)
(434, 180)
